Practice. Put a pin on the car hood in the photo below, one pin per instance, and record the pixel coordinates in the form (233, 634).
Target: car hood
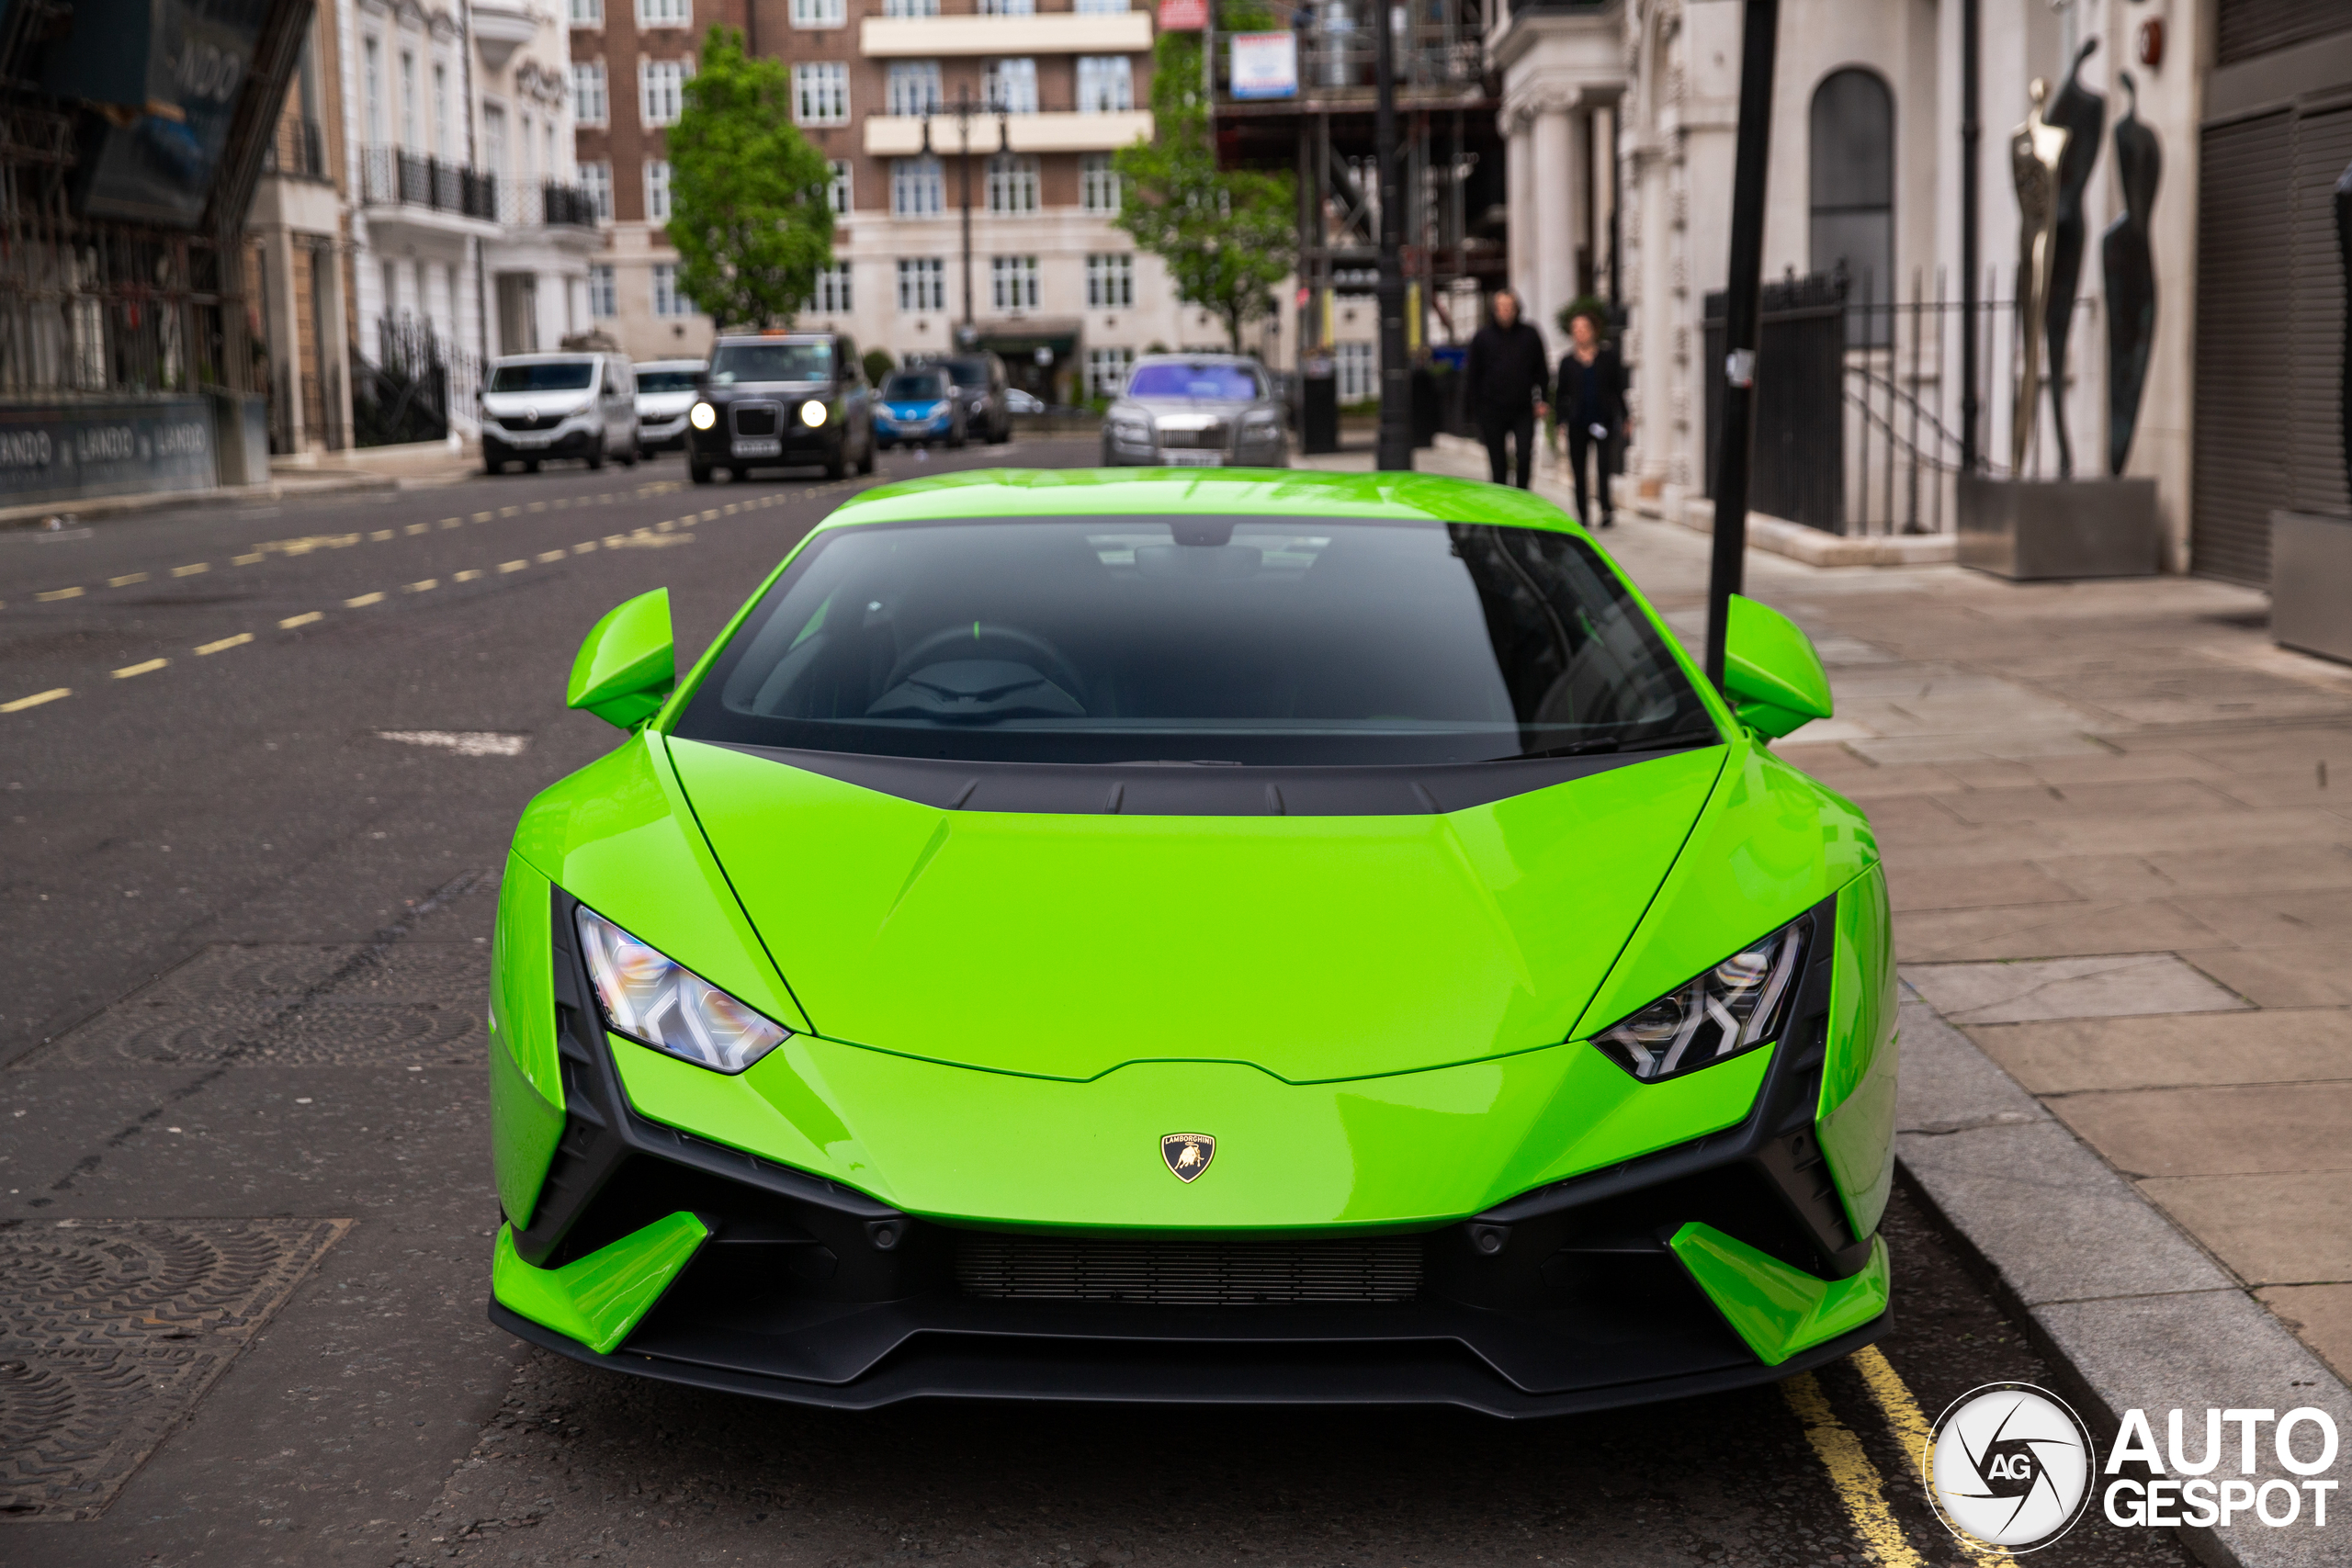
(546, 405)
(662, 405)
(1314, 948)
(1163, 410)
(918, 407)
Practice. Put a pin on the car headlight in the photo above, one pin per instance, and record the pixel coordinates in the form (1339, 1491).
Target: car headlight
(1128, 427)
(703, 416)
(813, 414)
(936, 410)
(1739, 1004)
(656, 1001)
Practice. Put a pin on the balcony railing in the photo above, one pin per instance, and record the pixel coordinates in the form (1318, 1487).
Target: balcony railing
(1338, 56)
(394, 176)
(299, 148)
(528, 204)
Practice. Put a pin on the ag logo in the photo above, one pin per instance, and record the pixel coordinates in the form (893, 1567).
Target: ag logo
(2009, 1468)
(1188, 1153)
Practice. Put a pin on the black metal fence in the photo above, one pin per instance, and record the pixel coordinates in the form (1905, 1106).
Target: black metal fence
(396, 177)
(408, 391)
(1857, 417)
(527, 204)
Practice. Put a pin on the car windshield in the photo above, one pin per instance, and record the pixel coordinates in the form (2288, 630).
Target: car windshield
(558, 376)
(666, 380)
(969, 372)
(733, 362)
(909, 387)
(1226, 383)
(1278, 641)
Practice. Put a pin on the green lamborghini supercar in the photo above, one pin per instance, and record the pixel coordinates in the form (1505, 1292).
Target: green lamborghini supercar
(1227, 936)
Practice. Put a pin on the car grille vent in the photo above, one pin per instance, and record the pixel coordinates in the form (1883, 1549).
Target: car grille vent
(1189, 1273)
(756, 419)
(537, 421)
(1209, 439)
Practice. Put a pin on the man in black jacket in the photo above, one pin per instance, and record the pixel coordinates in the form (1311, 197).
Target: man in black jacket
(1505, 378)
(1592, 409)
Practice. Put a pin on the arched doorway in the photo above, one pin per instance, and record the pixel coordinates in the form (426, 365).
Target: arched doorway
(1851, 145)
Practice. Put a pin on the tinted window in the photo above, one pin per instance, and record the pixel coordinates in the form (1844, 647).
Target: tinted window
(734, 362)
(914, 387)
(1222, 381)
(563, 376)
(1275, 641)
(969, 372)
(666, 380)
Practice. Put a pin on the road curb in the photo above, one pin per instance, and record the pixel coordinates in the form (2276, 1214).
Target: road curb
(2136, 1313)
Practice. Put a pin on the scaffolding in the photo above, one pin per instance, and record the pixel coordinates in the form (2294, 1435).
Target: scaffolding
(1451, 161)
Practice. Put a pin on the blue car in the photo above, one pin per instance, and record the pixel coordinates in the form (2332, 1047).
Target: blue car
(917, 408)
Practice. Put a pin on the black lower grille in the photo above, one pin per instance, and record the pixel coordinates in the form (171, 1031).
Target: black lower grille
(1189, 1273)
(758, 419)
(535, 421)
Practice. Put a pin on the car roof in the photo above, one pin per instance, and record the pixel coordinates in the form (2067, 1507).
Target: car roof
(736, 338)
(558, 357)
(1303, 493)
(1197, 360)
(671, 364)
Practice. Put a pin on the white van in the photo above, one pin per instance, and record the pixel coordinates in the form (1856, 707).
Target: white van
(537, 406)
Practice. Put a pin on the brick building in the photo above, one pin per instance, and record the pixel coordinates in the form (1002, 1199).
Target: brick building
(1054, 286)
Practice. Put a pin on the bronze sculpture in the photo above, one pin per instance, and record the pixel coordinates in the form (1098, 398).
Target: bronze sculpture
(2036, 149)
(2128, 264)
(2083, 114)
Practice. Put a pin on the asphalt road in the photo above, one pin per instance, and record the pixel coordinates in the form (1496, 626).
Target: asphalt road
(251, 850)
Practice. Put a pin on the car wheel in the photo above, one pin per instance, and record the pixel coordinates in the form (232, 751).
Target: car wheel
(1003, 432)
(596, 454)
(629, 458)
(837, 461)
(698, 470)
(955, 438)
(865, 464)
(530, 464)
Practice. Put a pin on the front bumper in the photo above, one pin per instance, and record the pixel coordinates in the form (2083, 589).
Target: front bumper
(661, 434)
(1721, 1262)
(888, 429)
(564, 441)
(795, 446)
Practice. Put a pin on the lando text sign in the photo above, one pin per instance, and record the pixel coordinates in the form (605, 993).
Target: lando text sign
(62, 451)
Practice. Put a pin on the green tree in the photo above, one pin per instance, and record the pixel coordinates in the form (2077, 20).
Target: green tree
(1227, 236)
(748, 207)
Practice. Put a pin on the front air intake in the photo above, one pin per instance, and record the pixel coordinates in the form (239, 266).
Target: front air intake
(1176, 1272)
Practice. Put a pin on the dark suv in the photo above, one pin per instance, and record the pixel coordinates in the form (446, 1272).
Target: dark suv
(775, 400)
(981, 388)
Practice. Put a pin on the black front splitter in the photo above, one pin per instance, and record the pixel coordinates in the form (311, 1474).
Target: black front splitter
(982, 1368)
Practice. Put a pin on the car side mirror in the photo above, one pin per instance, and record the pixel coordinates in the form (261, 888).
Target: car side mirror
(627, 667)
(1771, 672)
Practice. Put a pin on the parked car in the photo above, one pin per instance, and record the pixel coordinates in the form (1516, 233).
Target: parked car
(537, 406)
(1018, 402)
(981, 386)
(919, 407)
(665, 390)
(776, 400)
(1196, 410)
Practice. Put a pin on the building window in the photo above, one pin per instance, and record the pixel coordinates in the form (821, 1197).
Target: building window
(1011, 86)
(1098, 184)
(1853, 154)
(587, 13)
(657, 190)
(910, 7)
(604, 298)
(408, 100)
(441, 141)
(1110, 281)
(914, 86)
(597, 179)
(923, 285)
(1106, 371)
(832, 297)
(840, 193)
(1012, 283)
(1008, 7)
(372, 52)
(1359, 372)
(660, 89)
(1101, 8)
(591, 100)
(664, 13)
(915, 188)
(818, 13)
(821, 92)
(1013, 183)
(667, 300)
(1105, 83)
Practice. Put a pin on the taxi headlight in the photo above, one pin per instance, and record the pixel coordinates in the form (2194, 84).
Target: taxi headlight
(813, 414)
(703, 416)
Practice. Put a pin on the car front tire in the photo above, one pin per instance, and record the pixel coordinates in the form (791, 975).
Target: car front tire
(698, 470)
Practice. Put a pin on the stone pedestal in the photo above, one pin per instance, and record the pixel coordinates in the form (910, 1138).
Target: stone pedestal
(2037, 529)
(2310, 582)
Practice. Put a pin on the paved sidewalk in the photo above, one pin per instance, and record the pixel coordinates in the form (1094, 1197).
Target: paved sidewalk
(2118, 826)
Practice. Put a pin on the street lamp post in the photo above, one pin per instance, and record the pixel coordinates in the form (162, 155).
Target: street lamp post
(963, 109)
(1394, 449)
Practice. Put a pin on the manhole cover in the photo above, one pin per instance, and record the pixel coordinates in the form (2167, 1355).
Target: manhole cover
(111, 1330)
(294, 1004)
